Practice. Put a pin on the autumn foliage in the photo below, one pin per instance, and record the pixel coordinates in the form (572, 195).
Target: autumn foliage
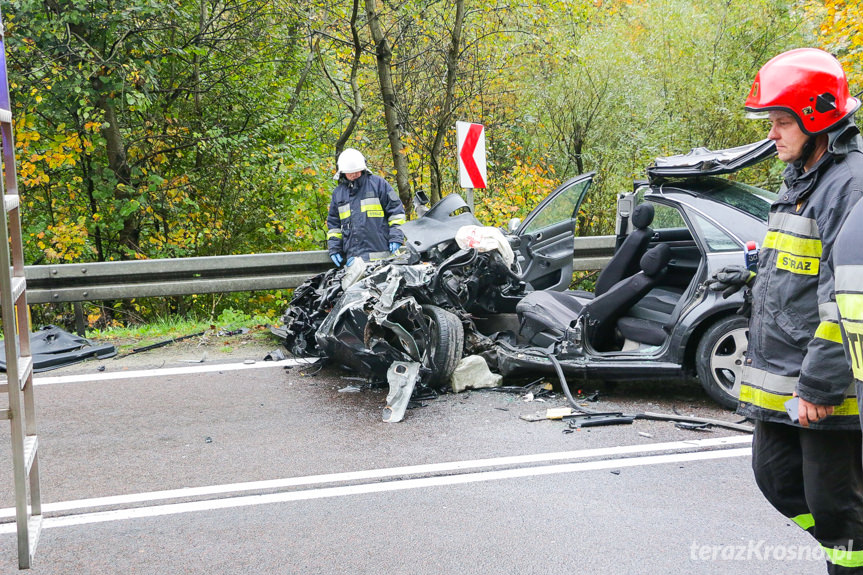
(147, 129)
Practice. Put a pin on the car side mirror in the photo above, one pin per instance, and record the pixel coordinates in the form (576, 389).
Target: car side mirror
(421, 201)
(513, 225)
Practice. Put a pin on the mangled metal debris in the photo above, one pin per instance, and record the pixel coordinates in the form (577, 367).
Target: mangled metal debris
(402, 377)
(52, 348)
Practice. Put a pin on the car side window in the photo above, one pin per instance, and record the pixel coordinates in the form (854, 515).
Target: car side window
(559, 208)
(716, 239)
(666, 217)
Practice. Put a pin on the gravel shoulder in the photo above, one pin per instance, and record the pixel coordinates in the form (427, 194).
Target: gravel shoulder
(209, 348)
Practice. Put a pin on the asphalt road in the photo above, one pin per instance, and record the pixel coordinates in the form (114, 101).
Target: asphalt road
(263, 469)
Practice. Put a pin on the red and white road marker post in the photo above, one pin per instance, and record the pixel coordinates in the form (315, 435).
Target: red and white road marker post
(471, 158)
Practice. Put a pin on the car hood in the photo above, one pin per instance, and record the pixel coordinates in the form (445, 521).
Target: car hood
(704, 162)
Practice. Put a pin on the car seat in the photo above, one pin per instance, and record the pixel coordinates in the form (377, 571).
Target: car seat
(626, 260)
(601, 314)
(544, 316)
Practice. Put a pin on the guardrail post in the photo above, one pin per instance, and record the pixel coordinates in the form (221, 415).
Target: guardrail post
(79, 318)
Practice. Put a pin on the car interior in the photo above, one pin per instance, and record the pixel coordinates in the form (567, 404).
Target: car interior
(639, 293)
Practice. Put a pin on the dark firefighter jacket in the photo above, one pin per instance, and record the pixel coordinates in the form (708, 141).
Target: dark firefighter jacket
(364, 218)
(795, 342)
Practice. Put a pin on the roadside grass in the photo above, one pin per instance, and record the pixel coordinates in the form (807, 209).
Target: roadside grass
(230, 327)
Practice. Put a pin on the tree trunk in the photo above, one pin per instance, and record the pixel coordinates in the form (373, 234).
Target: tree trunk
(384, 55)
(116, 152)
(445, 117)
(356, 105)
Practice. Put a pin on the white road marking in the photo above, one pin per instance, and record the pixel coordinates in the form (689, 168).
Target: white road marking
(83, 378)
(373, 474)
(379, 487)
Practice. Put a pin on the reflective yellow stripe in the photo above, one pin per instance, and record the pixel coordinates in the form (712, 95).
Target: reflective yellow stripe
(844, 557)
(850, 305)
(345, 213)
(793, 245)
(854, 337)
(334, 234)
(798, 265)
(372, 208)
(397, 221)
(763, 399)
(776, 402)
(805, 521)
(829, 331)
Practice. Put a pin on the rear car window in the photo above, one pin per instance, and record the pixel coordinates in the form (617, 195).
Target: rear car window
(715, 238)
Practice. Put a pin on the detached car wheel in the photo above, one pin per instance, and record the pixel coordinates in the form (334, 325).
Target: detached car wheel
(444, 348)
(719, 359)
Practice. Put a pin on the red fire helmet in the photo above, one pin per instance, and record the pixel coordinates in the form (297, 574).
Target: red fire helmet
(808, 83)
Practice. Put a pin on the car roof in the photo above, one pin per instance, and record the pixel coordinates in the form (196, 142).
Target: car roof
(703, 162)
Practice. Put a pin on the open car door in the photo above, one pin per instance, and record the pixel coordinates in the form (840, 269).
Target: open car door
(545, 238)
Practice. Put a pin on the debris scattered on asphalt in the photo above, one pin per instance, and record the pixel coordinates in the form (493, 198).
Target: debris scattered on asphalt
(402, 377)
(645, 434)
(160, 344)
(208, 439)
(51, 348)
(689, 419)
(350, 389)
(533, 417)
(240, 331)
(597, 419)
(529, 397)
(472, 372)
(557, 412)
(694, 426)
(615, 471)
(276, 355)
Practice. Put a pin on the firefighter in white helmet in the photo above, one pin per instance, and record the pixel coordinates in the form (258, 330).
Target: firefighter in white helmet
(365, 213)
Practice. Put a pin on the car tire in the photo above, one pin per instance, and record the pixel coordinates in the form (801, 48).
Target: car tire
(719, 359)
(445, 348)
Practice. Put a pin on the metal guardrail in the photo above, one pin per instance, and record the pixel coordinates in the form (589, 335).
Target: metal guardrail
(214, 274)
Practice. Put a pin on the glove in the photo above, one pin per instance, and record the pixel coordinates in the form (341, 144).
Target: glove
(337, 259)
(394, 246)
(730, 279)
(350, 261)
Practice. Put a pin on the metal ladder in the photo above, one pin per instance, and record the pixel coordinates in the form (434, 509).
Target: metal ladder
(19, 363)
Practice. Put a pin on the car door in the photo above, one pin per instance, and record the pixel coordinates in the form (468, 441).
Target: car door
(545, 239)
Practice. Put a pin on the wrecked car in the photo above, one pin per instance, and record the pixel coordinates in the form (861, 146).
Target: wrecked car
(459, 289)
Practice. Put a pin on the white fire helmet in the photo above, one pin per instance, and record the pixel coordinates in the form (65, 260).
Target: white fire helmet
(350, 160)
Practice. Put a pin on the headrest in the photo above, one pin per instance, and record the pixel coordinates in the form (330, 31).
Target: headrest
(655, 259)
(642, 215)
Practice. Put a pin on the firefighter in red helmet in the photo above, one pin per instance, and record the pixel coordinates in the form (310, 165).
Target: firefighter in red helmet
(806, 455)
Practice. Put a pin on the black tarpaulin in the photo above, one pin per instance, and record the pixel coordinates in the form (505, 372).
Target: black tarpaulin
(51, 348)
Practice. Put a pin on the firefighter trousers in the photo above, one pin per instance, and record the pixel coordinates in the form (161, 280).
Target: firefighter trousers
(815, 478)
